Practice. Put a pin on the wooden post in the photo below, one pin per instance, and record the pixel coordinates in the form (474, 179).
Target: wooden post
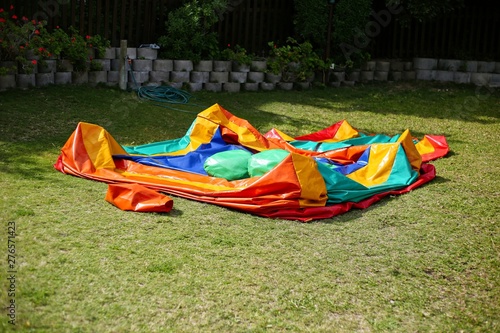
(123, 65)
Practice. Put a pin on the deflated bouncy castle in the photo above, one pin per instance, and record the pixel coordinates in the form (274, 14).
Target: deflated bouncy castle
(224, 160)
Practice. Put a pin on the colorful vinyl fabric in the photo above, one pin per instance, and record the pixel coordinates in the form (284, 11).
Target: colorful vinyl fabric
(309, 177)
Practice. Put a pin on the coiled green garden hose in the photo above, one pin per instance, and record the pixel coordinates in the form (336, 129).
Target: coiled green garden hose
(163, 94)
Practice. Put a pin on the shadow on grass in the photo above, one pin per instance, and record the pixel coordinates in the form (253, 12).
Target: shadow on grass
(17, 160)
(451, 153)
(174, 212)
(356, 213)
(438, 180)
(51, 114)
(418, 99)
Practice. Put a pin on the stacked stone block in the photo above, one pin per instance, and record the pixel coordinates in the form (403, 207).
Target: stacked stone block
(144, 68)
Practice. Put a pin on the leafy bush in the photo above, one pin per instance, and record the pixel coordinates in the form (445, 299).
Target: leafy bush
(189, 35)
(311, 21)
(95, 66)
(350, 19)
(294, 61)
(238, 54)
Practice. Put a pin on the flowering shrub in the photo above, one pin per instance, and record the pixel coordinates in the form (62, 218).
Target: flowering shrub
(77, 48)
(18, 36)
(21, 36)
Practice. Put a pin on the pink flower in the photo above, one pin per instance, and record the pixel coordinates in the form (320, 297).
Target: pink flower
(14, 17)
(33, 62)
(33, 21)
(25, 18)
(11, 7)
(87, 37)
(37, 32)
(2, 20)
(57, 27)
(1, 10)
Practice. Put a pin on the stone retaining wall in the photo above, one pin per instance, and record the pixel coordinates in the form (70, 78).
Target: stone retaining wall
(427, 69)
(146, 69)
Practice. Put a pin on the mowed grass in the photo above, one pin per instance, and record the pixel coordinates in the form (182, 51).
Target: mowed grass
(426, 261)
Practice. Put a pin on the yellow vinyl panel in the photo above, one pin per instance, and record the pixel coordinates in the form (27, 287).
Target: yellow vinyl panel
(424, 146)
(379, 166)
(100, 146)
(311, 181)
(411, 151)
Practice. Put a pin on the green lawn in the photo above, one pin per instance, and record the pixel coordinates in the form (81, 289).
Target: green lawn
(426, 261)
